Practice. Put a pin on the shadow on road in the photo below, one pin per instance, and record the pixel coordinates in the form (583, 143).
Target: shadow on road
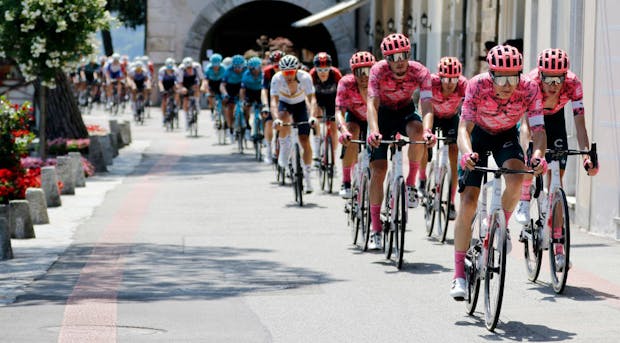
(517, 331)
(152, 272)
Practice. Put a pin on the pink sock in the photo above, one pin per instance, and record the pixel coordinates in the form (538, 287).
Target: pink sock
(422, 173)
(346, 174)
(413, 171)
(508, 214)
(459, 264)
(375, 217)
(559, 248)
(525, 190)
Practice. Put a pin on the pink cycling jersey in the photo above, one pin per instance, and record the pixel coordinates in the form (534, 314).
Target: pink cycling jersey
(397, 93)
(493, 115)
(447, 106)
(348, 97)
(571, 90)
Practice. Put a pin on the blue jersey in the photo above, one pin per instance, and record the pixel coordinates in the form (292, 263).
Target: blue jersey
(211, 74)
(252, 82)
(231, 77)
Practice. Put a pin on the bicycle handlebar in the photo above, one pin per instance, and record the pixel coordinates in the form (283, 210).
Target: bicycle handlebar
(295, 124)
(358, 141)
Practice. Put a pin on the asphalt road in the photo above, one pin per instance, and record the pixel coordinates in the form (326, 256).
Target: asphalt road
(197, 243)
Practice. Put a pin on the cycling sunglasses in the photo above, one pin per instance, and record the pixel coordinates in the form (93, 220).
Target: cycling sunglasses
(397, 57)
(364, 71)
(553, 80)
(447, 80)
(289, 72)
(501, 81)
(323, 70)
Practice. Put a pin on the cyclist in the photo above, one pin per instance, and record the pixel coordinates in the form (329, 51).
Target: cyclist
(325, 78)
(150, 68)
(212, 79)
(290, 89)
(559, 85)
(229, 87)
(448, 92)
(90, 74)
(251, 85)
(114, 77)
(189, 78)
(494, 103)
(268, 72)
(351, 112)
(138, 80)
(391, 109)
(167, 83)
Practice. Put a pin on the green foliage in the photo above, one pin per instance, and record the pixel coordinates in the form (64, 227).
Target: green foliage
(46, 36)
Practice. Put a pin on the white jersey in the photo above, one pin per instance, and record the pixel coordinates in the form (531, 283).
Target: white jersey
(280, 88)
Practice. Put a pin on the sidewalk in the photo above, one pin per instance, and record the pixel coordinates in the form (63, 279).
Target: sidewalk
(33, 257)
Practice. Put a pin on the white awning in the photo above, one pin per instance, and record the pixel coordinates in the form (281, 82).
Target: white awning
(329, 13)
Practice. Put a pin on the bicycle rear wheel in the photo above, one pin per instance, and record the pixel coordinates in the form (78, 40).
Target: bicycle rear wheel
(495, 270)
(532, 248)
(429, 201)
(388, 233)
(323, 164)
(444, 194)
(329, 164)
(400, 223)
(559, 216)
(365, 210)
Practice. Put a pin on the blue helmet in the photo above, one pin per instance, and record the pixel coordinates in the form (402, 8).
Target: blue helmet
(216, 59)
(255, 62)
(238, 61)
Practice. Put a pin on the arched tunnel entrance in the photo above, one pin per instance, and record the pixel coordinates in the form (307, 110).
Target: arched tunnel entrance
(238, 29)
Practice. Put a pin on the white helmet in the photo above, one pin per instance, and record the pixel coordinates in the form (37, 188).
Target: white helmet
(289, 62)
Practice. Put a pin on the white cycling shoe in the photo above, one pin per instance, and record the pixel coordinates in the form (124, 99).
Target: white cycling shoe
(457, 289)
(522, 216)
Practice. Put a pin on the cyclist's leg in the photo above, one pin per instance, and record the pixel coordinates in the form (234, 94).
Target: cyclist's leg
(508, 153)
(268, 132)
(316, 134)
(416, 151)
(284, 136)
(350, 155)
(450, 130)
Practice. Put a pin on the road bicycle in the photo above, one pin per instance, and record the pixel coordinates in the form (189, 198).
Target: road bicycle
(257, 131)
(547, 212)
(171, 110)
(438, 194)
(295, 169)
(357, 208)
(485, 260)
(139, 105)
(219, 120)
(192, 115)
(326, 154)
(396, 202)
(240, 126)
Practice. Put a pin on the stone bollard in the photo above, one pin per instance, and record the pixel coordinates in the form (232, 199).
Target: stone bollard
(125, 133)
(38, 206)
(66, 174)
(95, 155)
(49, 183)
(128, 123)
(6, 251)
(20, 223)
(115, 130)
(108, 154)
(80, 177)
(114, 144)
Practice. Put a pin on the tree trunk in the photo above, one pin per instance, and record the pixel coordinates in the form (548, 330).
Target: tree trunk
(64, 119)
(106, 37)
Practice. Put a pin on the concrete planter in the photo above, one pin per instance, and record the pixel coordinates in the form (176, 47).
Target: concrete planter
(6, 251)
(38, 205)
(49, 183)
(20, 222)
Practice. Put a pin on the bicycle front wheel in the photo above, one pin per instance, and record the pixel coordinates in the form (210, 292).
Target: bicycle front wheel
(329, 164)
(299, 176)
(532, 248)
(559, 249)
(429, 202)
(495, 270)
(388, 233)
(400, 223)
(472, 275)
(444, 194)
(364, 214)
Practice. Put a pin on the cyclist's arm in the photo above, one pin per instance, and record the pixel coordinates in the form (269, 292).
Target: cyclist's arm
(275, 100)
(373, 116)
(427, 113)
(464, 136)
(242, 94)
(539, 139)
(582, 134)
(313, 105)
(340, 120)
(264, 96)
(223, 88)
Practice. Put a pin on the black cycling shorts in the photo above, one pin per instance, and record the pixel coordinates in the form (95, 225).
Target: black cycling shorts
(555, 127)
(392, 122)
(299, 112)
(504, 146)
(449, 126)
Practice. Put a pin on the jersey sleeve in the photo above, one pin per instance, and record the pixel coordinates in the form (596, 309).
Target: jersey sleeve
(373, 82)
(424, 78)
(535, 115)
(341, 94)
(470, 107)
(576, 97)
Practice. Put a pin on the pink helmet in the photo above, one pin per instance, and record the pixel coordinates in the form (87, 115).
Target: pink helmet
(505, 58)
(553, 60)
(395, 43)
(449, 67)
(361, 59)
